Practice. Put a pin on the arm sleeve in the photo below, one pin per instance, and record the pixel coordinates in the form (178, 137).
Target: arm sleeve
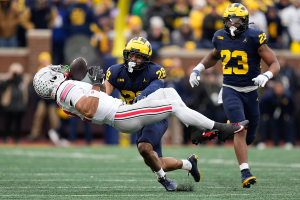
(259, 38)
(214, 41)
(154, 85)
(70, 94)
(111, 75)
(76, 95)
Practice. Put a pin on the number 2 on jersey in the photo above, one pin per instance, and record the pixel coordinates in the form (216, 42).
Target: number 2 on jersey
(228, 55)
(129, 96)
(161, 73)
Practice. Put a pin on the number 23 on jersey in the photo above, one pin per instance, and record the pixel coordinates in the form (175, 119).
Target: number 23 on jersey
(235, 69)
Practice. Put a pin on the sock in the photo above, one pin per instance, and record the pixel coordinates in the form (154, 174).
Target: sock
(160, 173)
(244, 166)
(187, 165)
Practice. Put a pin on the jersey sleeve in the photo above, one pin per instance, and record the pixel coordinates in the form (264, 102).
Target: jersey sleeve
(214, 41)
(111, 74)
(70, 94)
(157, 72)
(78, 94)
(259, 38)
(218, 36)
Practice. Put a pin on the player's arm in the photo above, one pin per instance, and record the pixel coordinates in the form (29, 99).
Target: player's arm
(109, 87)
(152, 87)
(88, 106)
(208, 61)
(270, 59)
(159, 74)
(211, 59)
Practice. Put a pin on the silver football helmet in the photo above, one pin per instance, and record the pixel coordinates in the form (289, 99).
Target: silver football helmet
(47, 80)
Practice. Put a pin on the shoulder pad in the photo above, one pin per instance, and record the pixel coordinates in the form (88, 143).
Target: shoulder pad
(156, 71)
(259, 37)
(113, 71)
(220, 32)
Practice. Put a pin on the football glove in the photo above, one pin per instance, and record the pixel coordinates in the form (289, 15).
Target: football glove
(96, 75)
(262, 79)
(195, 75)
(195, 78)
(140, 96)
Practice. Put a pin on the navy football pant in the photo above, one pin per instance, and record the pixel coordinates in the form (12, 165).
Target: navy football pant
(240, 106)
(152, 134)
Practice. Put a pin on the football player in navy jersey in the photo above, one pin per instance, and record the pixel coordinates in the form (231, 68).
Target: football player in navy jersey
(240, 49)
(135, 79)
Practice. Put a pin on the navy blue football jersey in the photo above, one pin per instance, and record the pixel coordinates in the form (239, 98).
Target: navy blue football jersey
(117, 75)
(240, 58)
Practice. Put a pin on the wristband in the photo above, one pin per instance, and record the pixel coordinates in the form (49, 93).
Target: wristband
(269, 74)
(200, 67)
(94, 93)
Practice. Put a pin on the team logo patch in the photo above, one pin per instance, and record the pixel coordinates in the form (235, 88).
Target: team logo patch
(220, 38)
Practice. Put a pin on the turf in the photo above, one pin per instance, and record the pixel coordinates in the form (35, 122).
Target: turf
(111, 172)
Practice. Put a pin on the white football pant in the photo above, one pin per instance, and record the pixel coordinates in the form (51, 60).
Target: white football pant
(157, 106)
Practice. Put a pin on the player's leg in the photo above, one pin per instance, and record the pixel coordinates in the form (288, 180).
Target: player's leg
(149, 143)
(234, 109)
(190, 164)
(149, 146)
(202, 132)
(131, 118)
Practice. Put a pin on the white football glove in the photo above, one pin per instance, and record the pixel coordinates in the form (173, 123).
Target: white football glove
(262, 79)
(195, 78)
(195, 75)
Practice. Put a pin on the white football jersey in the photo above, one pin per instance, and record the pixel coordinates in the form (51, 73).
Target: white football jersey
(71, 91)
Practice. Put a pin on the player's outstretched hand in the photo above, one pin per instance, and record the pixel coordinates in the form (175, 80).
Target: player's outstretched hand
(261, 80)
(195, 78)
(140, 96)
(96, 75)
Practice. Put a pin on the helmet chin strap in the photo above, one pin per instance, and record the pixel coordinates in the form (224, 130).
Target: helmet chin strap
(131, 65)
(232, 29)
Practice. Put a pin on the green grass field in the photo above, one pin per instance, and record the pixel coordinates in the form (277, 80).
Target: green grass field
(111, 172)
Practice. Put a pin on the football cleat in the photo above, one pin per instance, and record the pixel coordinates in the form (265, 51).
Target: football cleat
(247, 178)
(200, 135)
(167, 183)
(226, 131)
(195, 172)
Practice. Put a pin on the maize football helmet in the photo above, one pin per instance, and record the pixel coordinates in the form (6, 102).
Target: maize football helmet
(233, 13)
(140, 46)
(47, 80)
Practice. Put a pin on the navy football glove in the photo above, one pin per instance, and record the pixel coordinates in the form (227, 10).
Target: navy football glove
(140, 96)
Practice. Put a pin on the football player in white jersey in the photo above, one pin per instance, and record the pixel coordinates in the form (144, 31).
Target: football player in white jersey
(87, 102)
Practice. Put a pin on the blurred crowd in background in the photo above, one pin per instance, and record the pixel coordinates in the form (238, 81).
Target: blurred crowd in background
(187, 24)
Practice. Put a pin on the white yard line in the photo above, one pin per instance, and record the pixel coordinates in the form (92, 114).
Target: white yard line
(142, 195)
(107, 158)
